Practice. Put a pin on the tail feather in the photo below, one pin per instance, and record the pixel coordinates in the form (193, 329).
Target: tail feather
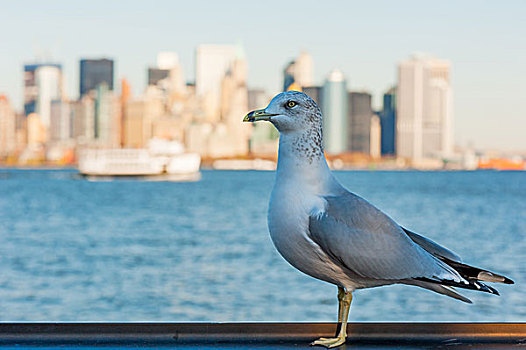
(475, 273)
(441, 289)
(473, 279)
(469, 284)
(492, 277)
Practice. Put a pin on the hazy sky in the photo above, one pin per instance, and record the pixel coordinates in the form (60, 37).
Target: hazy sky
(485, 41)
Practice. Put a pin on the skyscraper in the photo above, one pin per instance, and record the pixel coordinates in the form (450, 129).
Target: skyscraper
(212, 63)
(42, 84)
(7, 128)
(359, 113)
(61, 121)
(315, 92)
(156, 74)
(94, 72)
(335, 113)
(168, 74)
(298, 72)
(84, 120)
(138, 123)
(256, 99)
(167, 60)
(388, 123)
(375, 145)
(424, 115)
(107, 117)
(288, 75)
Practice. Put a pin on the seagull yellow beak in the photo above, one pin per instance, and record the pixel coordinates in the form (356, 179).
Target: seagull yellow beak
(260, 114)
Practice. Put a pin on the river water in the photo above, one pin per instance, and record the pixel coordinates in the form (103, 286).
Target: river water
(75, 250)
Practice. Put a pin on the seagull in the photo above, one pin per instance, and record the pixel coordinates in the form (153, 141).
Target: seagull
(331, 234)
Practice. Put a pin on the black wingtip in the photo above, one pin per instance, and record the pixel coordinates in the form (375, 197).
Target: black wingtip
(484, 287)
(494, 291)
(508, 281)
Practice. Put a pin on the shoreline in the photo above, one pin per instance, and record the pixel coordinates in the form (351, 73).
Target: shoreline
(211, 168)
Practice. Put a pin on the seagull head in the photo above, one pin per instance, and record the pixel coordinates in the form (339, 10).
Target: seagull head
(289, 111)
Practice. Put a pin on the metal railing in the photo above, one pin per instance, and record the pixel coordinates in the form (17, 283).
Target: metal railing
(168, 334)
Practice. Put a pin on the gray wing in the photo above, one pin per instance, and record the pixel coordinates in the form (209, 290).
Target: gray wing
(366, 241)
(432, 247)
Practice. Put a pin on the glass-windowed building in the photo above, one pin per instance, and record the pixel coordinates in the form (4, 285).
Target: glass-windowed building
(94, 72)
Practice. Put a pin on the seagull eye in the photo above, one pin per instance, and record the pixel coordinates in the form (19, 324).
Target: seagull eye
(291, 104)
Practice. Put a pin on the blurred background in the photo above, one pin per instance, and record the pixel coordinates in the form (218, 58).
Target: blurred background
(422, 103)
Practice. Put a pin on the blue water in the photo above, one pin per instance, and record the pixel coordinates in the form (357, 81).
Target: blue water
(74, 250)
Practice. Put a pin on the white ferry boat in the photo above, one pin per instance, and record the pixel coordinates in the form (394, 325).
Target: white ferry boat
(162, 160)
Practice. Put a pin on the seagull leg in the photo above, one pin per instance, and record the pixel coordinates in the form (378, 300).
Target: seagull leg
(344, 299)
(341, 294)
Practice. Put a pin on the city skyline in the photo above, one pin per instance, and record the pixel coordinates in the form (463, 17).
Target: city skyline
(483, 42)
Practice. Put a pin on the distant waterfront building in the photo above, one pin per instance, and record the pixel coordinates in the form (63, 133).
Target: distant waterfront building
(156, 74)
(375, 145)
(36, 131)
(231, 138)
(257, 99)
(107, 117)
(167, 60)
(140, 116)
(315, 92)
(299, 72)
(42, 84)
(212, 63)
(168, 74)
(424, 109)
(359, 114)
(388, 123)
(84, 120)
(94, 72)
(31, 84)
(124, 98)
(61, 125)
(7, 128)
(335, 113)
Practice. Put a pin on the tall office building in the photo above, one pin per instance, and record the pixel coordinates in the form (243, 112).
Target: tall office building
(425, 109)
(167, 60)
(42, 84)
(257, 99)
(84, 120)
(124, 98)
(7, 128)
(61, 123)
(359, 114)
(168, 74)
(388, 123)
(298, 73)
(107, 117)
(94, 72)
(212, 63)
(140, 115)
(315, 92)
(36, 132)
(335, 113)
(375, 144)
(288, 76)
(157, 74)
